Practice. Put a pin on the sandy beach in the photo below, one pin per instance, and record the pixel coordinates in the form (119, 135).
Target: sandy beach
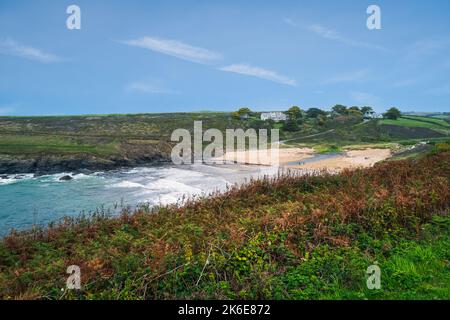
(307, 159)
(266, 158)
(348, 160)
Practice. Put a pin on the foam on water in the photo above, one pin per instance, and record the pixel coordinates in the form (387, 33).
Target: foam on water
(26, 199)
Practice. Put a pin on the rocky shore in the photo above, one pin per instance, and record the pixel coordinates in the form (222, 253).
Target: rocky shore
(51, 164)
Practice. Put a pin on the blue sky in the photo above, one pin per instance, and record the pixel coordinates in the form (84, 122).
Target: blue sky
(169, 56)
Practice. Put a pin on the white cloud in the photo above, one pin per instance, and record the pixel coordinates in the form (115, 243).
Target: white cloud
(258, 72)
(353, 76)
(364, 98)
(334, 35)
(150, 88)
(176, 49)
(10, 47)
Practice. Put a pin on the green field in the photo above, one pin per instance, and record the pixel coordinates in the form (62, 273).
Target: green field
(438, 125)
(53, 144)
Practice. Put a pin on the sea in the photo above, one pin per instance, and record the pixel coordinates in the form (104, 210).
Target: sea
(27, 200)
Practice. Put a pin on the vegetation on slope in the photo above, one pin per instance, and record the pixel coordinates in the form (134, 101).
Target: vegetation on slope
(293, 237)
(438, 125)
(56, 144)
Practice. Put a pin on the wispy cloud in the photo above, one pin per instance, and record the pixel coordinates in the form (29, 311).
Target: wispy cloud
(258, 72)
(334, 35)
(176, 49)
(150, 88)
(364, 98)
(353, 76)
(428, 47)
(421, 51)
(11, 47)
(407, 82)
(439, 91)
(290, 22)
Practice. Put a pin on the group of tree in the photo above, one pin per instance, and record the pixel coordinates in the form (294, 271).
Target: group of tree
(242, 113)
(315, 113)
(295, 114)
(392, 114)
(342, 110)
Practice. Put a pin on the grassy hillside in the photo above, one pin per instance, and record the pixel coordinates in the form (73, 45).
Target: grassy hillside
(407, 128)
(293, 237)
(56, 144)
(439, 125)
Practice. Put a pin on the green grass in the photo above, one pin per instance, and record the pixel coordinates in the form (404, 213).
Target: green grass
(431, 120)
(23, 145)
(327, 148)
(421, 122)
(291, 237)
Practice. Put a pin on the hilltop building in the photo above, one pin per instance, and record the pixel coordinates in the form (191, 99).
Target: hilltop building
(275, 116)
(372, 115)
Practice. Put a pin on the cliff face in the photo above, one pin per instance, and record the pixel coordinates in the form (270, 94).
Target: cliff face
(128, 155)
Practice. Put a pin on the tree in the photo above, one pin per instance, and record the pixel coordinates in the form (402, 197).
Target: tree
(241, 113)
(339, 109)
(321, 119)
(366, 109)
(392, 113)
(290, 125)
(354, 108)
(294, 113)
(236, 115)
(355, 113)
(314, 112)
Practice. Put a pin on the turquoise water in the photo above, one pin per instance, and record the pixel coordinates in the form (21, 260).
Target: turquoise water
(26, 200)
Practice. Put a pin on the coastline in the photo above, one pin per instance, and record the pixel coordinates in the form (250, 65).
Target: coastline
(80, 163)
(292, 158)
(308, 159)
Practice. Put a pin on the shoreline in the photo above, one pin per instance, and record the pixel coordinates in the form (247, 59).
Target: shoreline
(52, 164)
(290, 158)
(308, 159)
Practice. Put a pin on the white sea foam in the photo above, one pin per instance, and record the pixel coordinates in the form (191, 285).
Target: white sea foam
(173, 185)
(7, 181)
(15, 178)
(127, 184)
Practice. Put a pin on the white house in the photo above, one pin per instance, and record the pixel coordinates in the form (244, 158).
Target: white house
(275, 116)
(372, 115)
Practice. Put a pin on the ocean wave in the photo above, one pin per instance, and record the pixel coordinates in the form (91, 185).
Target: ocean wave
(15, 178)
(127, 184)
